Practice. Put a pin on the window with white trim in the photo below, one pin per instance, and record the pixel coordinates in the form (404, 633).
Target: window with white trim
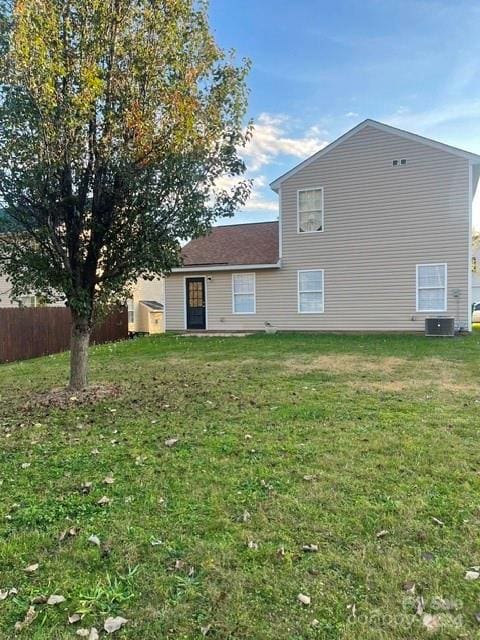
(431, 287)
(310, 291)
(27, 301)
(131, 311)
(310, 210)
(243, 292)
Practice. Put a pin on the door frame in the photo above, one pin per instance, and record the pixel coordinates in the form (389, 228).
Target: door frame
(205, 289)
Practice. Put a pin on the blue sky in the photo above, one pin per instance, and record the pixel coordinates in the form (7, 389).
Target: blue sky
(319, 68)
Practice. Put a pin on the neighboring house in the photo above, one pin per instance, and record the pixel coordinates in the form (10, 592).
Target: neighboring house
(476, 269)
(145, 308)
(374, 234)
(27, 300)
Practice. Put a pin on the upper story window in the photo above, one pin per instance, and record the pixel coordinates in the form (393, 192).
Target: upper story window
(310, 210)
(243, 292)
(431, 287)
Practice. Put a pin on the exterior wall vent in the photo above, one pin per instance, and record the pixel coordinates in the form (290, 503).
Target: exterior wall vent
(440, 327)
(401, 162)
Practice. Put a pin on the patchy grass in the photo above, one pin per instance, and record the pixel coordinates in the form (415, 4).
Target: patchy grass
(283, 441)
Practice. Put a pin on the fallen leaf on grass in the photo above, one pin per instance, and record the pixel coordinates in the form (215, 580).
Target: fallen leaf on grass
(409, 586)
(245, 517)
(420, 606)
(86, 487)
(431, 623)
(156, 543)
(309, 478)
(382, 534)
(108, 479)
(55, 599)
(303, 599)
(439, 522)
(75, 617)
(104, 501)
(252, 545)
(205, 630)
(3, 594)
(472, 575)
(31, 568)
(310, 548)
(39, 600)
(25, 465)
(94, 540)
(90, 634)
(171, 442)
(68, 533)
(114, 624)
(94, 452)
(29, 618)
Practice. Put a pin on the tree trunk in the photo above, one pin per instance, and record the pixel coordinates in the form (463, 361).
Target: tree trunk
(80, 340)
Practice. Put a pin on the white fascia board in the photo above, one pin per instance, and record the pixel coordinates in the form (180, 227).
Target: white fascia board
(227, 267)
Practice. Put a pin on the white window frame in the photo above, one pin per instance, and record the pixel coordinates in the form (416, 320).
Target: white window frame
(245, 313)
(299, 191)
(300, 292)
(432, 264)
(131, 311)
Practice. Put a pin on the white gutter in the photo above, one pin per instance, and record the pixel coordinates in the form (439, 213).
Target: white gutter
(227, 267)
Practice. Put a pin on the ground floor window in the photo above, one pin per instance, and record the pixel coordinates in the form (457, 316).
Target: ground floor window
(131, 311)
(431, 287)
(310, 291)
(243, 292)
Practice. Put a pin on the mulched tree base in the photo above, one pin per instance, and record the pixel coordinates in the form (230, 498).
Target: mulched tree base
(64, 397)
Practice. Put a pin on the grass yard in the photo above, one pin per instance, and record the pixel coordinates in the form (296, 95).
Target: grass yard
(366, 446)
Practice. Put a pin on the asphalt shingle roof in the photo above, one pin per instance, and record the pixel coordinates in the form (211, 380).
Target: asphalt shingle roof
(236, 244)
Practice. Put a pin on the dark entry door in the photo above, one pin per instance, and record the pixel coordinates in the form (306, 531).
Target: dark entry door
(195, 296)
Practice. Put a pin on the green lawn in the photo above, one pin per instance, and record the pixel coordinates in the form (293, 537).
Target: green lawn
(283, 441)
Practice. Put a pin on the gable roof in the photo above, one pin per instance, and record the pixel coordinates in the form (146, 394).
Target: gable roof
(467, 155)
(237, 244)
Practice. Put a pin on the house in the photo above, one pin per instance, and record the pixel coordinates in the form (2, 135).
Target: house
(374, 234)
(26, 300)
(145, 308)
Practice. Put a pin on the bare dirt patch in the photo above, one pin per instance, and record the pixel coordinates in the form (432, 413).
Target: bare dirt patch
(63, 398)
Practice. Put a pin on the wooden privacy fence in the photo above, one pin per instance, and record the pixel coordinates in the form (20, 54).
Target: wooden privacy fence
(29, 333)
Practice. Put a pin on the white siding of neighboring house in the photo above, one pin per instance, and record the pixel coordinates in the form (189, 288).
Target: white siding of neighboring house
(6, 299)
(380, 221)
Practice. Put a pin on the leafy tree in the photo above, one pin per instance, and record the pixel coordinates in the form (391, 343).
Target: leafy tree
(118, 119)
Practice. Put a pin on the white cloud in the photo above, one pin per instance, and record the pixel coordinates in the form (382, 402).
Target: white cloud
(270, 139)
(351, 114)
(425, 120)
(258, 200)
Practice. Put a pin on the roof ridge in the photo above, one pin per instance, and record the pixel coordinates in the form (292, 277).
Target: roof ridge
(244, 224)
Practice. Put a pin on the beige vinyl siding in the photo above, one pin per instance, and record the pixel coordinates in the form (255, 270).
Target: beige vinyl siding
(145, 290)
(380, 221)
